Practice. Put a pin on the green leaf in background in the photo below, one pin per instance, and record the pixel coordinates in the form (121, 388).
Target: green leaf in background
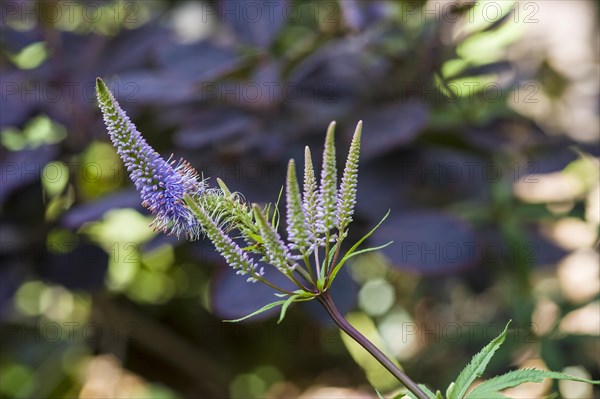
(38, 132)
(30, 56)
(376, 374)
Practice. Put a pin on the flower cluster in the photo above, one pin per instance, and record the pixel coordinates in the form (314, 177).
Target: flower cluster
(300, 234)
(326, 210)
(317, 216)
(162, 184)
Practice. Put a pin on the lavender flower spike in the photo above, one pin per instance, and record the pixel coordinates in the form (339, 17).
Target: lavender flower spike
(162, 185)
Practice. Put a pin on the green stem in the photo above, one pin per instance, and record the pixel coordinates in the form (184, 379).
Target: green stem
(343, 324)
(317, 265)
(335, 257)
(262, 280)
(297, 282)
(309, 268)
(325, 257)
(302, 272)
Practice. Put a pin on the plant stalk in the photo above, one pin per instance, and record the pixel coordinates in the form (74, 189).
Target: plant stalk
(329, 305)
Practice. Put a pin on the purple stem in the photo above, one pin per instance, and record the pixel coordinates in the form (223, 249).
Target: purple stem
(337, 317)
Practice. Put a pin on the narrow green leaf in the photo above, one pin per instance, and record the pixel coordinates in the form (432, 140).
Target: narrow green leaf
(327, 262)
(518, 377)
(348, 254)
(284, 307)
(275, 219)
(263, 309)
(476, 367)
(321, 283)
(289, 301)
(379, 395)
(371, 249)
(255, 237)
(304, 294)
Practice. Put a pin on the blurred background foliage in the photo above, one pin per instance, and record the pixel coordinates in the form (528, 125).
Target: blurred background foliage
(481, 135)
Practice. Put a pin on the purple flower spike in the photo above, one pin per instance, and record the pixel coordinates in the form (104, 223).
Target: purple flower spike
(162, 184)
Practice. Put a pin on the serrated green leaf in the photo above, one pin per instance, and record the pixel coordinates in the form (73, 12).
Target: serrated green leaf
(450, 389)
(261, 310)
(518, 377)
(427, 391)
(424, 388)
(348, 254)
(492, 395)
(475, 368)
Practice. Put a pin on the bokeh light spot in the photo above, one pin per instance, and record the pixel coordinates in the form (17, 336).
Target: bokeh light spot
(376, 297)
